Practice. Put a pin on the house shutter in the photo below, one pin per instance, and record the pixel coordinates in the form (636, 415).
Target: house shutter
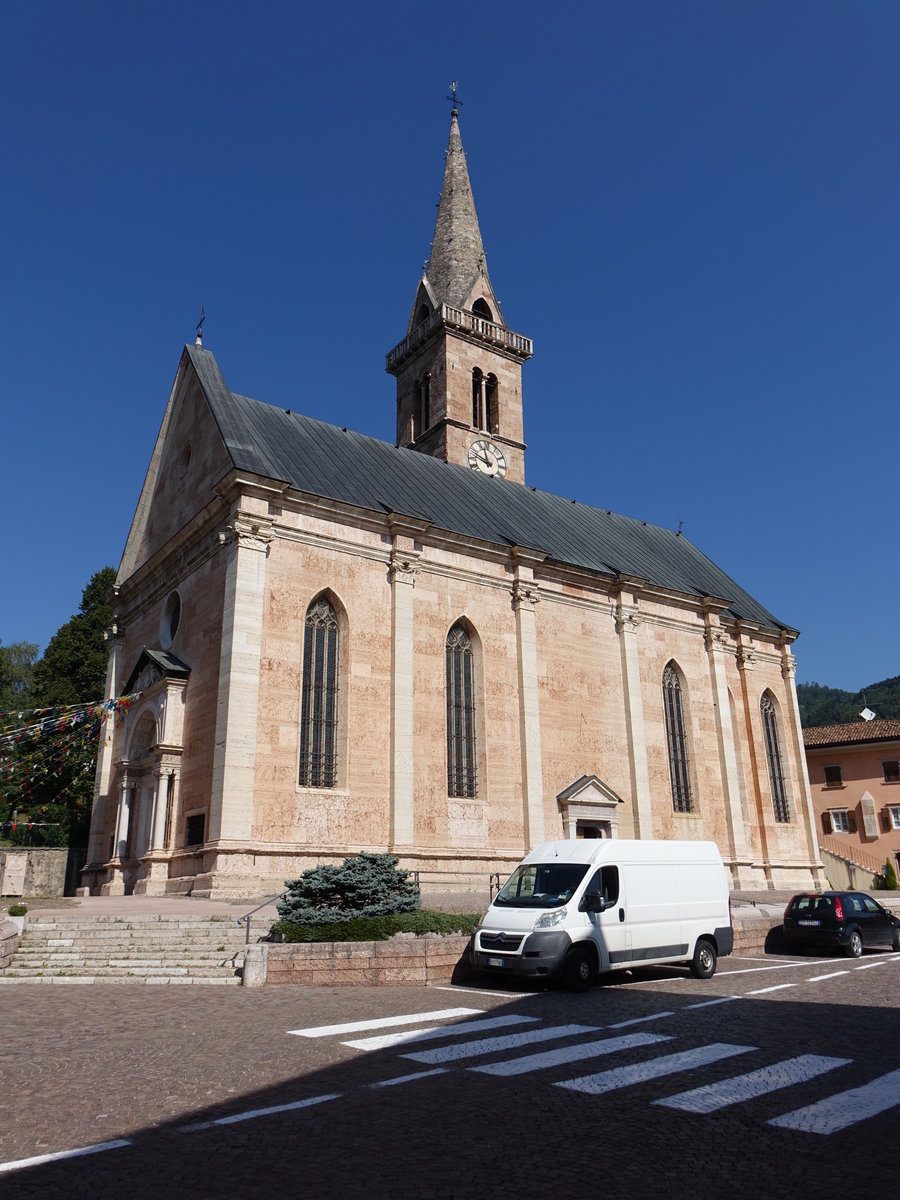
(827, 825)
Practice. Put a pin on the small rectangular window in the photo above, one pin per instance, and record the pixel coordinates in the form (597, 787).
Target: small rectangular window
(891, 769)
(894, 813)
(193, 829)
(840, 820)
(833, 777)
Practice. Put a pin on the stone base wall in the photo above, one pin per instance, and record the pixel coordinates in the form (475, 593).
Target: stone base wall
(10, 933)
(397, 962)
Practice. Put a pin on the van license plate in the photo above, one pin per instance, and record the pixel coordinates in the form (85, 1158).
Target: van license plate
(809, 922)
(496, 962)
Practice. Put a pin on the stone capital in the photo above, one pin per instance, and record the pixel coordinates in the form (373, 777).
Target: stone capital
(525, 596)
(248, 533)
(627, 622)
(404, 565)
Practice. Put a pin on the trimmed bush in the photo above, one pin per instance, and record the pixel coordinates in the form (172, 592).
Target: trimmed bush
(378, 929)
(369, 885)
(17, 910)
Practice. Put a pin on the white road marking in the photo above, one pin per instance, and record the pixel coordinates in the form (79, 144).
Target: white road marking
(442, 1014)
(718, 1000)
(492, 1045)
(757, 1083)
(666, 1064)
(639, 1020)
(409, 1078)
(21, 1163)
(384, 1041)
(440, 987)
(567, 1054)
(846, 1108)
(868, 966)
(251, 1113)
(777, 988)
(831, 975)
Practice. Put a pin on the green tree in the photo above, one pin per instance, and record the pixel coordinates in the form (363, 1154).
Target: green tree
(16, 670)
(48, 755)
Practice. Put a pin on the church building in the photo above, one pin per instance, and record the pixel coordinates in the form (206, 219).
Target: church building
(337, 644)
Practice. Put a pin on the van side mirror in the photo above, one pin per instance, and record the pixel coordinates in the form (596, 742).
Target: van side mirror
(592, 902)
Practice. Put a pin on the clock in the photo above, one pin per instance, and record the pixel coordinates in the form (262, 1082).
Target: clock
(487, 458)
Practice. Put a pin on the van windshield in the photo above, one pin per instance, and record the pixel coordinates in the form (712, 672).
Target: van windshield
(541, 885)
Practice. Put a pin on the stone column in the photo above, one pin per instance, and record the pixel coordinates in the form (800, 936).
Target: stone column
(103, 775)
(718, 646)
(525, 597)
(404, 558)
(162, 784)
(172, 808)
(247, 541)
(628, 620)
(805, 810)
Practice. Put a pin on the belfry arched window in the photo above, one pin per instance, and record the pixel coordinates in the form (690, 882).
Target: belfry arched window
(478, 412)
(773, 758)
(492, 404)
(319, 697)
(460, 714)
(677, 741)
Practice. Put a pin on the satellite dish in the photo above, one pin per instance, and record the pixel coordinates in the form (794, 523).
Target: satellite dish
(867, 714)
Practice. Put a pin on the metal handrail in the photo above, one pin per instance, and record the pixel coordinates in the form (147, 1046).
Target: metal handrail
(246, 917)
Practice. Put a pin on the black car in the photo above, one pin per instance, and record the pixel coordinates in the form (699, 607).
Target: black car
(851, 920)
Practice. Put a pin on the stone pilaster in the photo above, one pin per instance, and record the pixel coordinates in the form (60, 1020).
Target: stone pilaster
(718, 647)
(805, 810)
(628, 621)
(246, 540)
(525, 597)
(404, 560)
(746, 660)
(103, 776)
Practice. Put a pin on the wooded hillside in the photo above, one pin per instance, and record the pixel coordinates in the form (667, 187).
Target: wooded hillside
(821, 705)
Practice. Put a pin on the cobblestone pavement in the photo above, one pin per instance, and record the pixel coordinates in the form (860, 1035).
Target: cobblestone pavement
(82, 1066)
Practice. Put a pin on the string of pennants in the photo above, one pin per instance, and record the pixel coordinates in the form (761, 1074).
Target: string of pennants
(36, 745)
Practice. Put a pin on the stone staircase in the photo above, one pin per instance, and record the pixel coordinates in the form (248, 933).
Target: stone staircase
(139, 949)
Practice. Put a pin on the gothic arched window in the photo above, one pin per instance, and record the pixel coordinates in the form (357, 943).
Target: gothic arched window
(676, 739)
(318, 701)
(481, 308)
(478, 413)
(773, 758)
(460, 714)
(492, 405)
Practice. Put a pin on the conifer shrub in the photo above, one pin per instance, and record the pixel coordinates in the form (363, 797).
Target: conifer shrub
(889, 878)
(369, 885)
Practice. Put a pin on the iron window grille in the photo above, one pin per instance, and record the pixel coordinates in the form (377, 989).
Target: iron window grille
(460, 714)
(773, 757)
(319, 698)
(676, 738)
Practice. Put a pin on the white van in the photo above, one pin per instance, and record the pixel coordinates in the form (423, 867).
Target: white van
(573, 908)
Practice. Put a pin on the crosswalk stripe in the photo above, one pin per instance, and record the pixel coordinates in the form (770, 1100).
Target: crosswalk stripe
(441, 1014)
(491, 1045)
(384, 1041)
(666, 1064)
(845, 1108)
(757, 1083)
(568, 1054)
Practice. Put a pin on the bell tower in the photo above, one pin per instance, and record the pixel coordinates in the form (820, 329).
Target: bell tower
(459, 368)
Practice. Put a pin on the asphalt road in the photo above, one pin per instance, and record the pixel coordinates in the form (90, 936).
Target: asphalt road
(780, 1077)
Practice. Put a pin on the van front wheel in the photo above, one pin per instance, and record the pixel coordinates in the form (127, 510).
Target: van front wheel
(578, 973)
(703, 964)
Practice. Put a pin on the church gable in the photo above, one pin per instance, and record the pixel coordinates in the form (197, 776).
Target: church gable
(189, 459)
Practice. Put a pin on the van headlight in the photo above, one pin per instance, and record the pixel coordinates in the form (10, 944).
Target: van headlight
(550, 920)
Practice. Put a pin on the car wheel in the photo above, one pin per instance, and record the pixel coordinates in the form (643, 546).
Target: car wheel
(895, 944)
(578, 973)
(854, 945)
(703, 964)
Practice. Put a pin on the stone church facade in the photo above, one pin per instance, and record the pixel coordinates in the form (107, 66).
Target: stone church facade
(338, 644)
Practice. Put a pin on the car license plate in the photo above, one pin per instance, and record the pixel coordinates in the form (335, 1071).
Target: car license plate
(496, 962)
(809, 922)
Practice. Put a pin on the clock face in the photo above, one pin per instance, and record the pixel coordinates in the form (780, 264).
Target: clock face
(487, 458)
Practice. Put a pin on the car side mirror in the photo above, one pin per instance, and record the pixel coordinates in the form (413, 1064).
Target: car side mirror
(592, 902)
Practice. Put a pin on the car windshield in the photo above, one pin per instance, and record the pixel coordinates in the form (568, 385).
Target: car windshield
(541, 885)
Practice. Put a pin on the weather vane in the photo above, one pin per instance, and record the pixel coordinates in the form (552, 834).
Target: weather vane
(452, 97)
(199, 341)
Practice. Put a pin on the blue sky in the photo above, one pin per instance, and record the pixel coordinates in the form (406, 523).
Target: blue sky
(691, 207)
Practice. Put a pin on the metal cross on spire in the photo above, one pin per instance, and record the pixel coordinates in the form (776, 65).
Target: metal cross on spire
(199, 341)
(452, 97)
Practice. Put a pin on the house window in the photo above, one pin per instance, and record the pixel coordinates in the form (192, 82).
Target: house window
(894, 817)
(193, 829)
(318, 704)
(891, 770)
(460, 714)
(773, 758)
(833, 777)
(840, 820)
(676, 739)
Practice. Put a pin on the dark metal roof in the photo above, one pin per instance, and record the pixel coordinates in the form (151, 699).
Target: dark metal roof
(325, 460)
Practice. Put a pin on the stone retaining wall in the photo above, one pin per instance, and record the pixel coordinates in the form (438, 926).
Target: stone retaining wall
(10, 932)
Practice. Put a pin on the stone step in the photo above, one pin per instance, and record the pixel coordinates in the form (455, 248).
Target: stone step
(192, 969)
(9, 979)
(71, 961)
